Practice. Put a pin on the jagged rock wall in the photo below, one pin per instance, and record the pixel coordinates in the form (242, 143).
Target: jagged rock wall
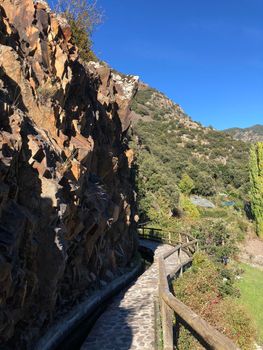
(66, 197)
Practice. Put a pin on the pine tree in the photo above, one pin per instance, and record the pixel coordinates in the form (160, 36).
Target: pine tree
(256, 179)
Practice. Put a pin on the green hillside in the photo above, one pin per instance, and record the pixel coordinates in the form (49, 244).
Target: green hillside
(178, 158)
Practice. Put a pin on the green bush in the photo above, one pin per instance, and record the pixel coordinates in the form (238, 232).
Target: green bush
(186, 184)
(217, 237)
(188, 207)
(204, 184)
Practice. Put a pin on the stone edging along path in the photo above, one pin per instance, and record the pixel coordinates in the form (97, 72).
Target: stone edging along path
(64, 327)
(129, 321)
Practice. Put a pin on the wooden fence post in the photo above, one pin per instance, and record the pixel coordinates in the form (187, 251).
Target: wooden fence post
(167, 325)
(180, 261)
(167, 313)
(179, 255)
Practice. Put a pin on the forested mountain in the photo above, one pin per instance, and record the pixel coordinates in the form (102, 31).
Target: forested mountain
(252, 134)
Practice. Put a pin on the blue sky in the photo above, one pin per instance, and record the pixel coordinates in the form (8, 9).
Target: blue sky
(205, 55)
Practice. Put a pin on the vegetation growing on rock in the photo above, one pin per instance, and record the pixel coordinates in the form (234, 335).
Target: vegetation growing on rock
(83, 16)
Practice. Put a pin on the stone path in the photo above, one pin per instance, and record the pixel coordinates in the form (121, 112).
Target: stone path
(129, 322)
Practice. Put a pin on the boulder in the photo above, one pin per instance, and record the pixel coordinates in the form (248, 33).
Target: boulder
(202, 202)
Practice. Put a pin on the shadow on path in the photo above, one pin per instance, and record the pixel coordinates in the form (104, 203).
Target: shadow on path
(128, 322)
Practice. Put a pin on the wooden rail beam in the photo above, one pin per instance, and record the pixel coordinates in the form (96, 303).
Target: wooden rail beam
(213, 338)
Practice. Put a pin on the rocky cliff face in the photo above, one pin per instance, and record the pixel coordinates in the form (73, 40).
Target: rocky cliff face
(66, 200)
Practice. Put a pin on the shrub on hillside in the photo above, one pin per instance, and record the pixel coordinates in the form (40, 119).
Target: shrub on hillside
(204, 184)
(189, 208)
(216, 237)
(201, 289)
(186, 184)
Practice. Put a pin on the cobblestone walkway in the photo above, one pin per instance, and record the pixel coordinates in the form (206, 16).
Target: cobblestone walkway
(129, 322)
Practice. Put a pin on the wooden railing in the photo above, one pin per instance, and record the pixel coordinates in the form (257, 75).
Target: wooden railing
(170, 305)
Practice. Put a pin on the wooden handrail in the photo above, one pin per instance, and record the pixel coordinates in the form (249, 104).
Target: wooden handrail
(212, 337)
(165, 231)
(169, 304)
(179, 268)
(172, 251)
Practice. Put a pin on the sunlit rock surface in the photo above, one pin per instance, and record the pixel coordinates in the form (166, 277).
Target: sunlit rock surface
(66, 197)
